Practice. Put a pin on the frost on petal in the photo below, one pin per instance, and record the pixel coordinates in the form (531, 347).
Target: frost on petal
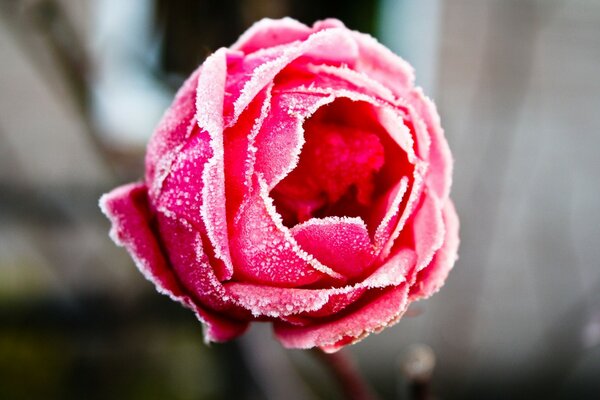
(334, 46)
(264, 250)
(270, 32)
(171, 133)
(439, 177)
(240, 151)
(374, 313)
(343, 244)
(432, 277)
(426, 229)
(281, 137)
(209, 99)
(381, 64)
(181, 195)
(302, 305)
(184, 245)
(127, 209)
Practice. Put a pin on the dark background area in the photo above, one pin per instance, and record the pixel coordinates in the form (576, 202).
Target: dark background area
(82, 83)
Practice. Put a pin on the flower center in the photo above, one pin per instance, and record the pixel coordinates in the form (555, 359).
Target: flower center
(337, 171)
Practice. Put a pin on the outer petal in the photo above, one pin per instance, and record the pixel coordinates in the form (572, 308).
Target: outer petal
(174, 129)
(333, 46)
(127, 209)
(209, 114)
(439, 177)
(303, 305)
(430, 279)
(271, 32)
(381, 64)
(374, 314)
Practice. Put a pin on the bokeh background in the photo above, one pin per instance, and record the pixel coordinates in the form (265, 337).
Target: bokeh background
(517, 83)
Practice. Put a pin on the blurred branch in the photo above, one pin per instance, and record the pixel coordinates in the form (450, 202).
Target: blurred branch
(48, 19)
(345, 371)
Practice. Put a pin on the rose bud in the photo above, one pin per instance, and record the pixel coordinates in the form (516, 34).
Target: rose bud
(298, 178)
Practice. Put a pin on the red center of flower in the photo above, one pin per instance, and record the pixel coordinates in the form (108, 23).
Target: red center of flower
(336, 174)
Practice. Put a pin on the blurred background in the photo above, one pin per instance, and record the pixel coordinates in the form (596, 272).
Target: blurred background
(517, 83)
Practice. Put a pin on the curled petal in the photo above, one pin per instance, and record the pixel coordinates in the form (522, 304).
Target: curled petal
(378, 62)
(209, 100)
(127, 209)
(302, 305)
(333, 45)
(265, 251)
(175, 127)
(343, 244)
(269, 32)
(381, 310)
(432, 277)
(439, 177)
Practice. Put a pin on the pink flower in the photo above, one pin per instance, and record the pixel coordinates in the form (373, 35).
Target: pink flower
(299, 178)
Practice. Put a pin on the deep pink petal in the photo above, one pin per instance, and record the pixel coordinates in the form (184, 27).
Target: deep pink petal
(302, 305)
(240, 151)
(170, 135)
(377, 312)
(264, 250)
(127, 209)
(427, 229)
(343, 244)
(280, 139)
(333, 45)
(210, 99)
(271, 32)
(432, 277)
(439, 176)
(382, 65)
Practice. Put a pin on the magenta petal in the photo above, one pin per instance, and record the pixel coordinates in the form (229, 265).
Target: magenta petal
(209, 100)
(127, 209)
(171, 133)
(280, 139)
(300, 304)
(183, 243)
(382, 65)
(270, 32)
(427, 229)
(343, 244)
(265, 251)
(379, 312)
(334, 45)
(439, 176)
(432, 277)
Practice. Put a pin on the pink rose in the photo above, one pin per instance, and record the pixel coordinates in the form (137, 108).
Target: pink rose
(299, 178)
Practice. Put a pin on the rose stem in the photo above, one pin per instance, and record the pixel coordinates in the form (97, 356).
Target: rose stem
(347, 375)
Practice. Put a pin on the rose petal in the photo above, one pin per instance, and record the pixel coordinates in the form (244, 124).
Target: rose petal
(439, 177)
(264, 249)
(271, 32)
(209, 107)
(303, 303)
(428, 230)
(343, 244)
(171, 133)
(127, 209)
(432, 277)
(376, 313)
(240, 151)
(382, 65)
(333, 45)
(280, 139)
